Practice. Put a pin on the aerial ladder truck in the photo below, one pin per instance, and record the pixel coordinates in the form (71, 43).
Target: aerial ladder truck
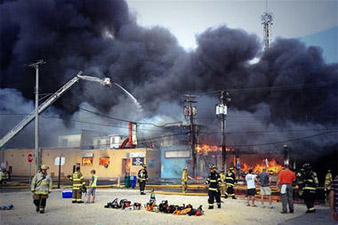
(105, 81)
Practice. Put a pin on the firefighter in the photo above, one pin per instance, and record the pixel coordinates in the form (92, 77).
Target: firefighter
(214, 181)
(327, 184)
(78, 183)
(41, 186)
(142, 178)
(222, 185)
(307, 181)
(184, 180)
(230, 180)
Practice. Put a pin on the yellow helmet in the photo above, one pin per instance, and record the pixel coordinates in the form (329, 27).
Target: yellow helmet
(44, 167)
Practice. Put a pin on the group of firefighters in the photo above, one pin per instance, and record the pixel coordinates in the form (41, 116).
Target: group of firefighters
(223, 184)
(218, 185)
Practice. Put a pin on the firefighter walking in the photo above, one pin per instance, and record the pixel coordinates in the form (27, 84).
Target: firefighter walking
(307, 182)
(327, 184)
(184, 180)
(230, 180)
(41, 186)
(78, 183)
(222, 185)
(214, 180)
(142, 178)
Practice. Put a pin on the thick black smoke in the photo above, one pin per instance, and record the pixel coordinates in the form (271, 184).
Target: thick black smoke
(102, 38)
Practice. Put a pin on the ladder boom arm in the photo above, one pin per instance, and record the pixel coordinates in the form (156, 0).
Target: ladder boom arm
(48, 102)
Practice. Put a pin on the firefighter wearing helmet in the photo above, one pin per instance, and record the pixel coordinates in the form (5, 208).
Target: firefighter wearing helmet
(222, 185)
(307, 181)
(327, 184)
(184, 180)
(41, 186)
(214, 181)
(230, 180)
(142, 178)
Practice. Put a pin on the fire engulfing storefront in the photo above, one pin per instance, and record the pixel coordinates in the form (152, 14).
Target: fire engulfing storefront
(175, 158)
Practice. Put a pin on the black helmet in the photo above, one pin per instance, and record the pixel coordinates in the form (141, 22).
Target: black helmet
(307, 166)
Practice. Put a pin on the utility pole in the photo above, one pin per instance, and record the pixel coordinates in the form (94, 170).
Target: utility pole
(221, 112)
(37, 152)
(190, 112)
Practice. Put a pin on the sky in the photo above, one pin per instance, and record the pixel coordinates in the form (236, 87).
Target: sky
(315, 22)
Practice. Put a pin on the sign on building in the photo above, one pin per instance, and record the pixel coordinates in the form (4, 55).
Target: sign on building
(177, 154)
(137, 161)
(136, 154)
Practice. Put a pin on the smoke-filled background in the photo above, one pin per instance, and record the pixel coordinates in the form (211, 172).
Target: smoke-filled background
(289, 96)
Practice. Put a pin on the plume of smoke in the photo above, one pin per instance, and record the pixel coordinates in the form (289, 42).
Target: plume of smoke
(103, 39)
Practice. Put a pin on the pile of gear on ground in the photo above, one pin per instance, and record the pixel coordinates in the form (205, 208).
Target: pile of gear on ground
(151, 206)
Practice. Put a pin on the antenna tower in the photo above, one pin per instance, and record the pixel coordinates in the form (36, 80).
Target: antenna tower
(267, 19)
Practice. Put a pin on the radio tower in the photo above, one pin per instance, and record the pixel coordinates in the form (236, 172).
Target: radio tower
(266, 19)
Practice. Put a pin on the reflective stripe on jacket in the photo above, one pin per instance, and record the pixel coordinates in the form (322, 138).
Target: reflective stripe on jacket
(41, 184)
(214, 180)
(142, 175)
(230, 178)
(78, 180)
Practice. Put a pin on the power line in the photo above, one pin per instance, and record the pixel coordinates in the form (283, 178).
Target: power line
(285, 141)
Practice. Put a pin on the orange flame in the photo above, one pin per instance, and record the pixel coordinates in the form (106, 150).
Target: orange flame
(272, 167)
(209, 148)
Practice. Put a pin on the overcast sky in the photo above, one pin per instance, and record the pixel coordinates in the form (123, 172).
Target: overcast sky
(187, 18)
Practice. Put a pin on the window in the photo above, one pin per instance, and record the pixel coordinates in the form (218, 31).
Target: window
(104, 161)
(87, 161)
(64, 142)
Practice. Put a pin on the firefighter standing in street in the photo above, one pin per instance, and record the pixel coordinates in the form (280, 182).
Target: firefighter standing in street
(230, 181)
(184, 180)
(222, 185)
(214, 180)
(41, 186)
(307, 182)
(78, 183)
(327, 184)
(142, 178)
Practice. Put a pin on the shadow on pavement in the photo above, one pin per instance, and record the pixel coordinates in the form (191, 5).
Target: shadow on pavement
(321, 216)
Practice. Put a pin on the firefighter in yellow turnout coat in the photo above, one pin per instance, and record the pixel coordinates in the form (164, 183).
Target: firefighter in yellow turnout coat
(78, 183)
(184, 180)
(41, 186)
(222, 185)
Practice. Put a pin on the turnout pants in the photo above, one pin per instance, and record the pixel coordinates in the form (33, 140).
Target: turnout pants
(212, 195)
(230, 191)
(142, 186)
(76, 196)
(287, 198)
(309, 199)
(184, 186)
(40, 201)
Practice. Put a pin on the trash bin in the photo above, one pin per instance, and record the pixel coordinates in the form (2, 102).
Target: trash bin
(133, 180)
(127, 181)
